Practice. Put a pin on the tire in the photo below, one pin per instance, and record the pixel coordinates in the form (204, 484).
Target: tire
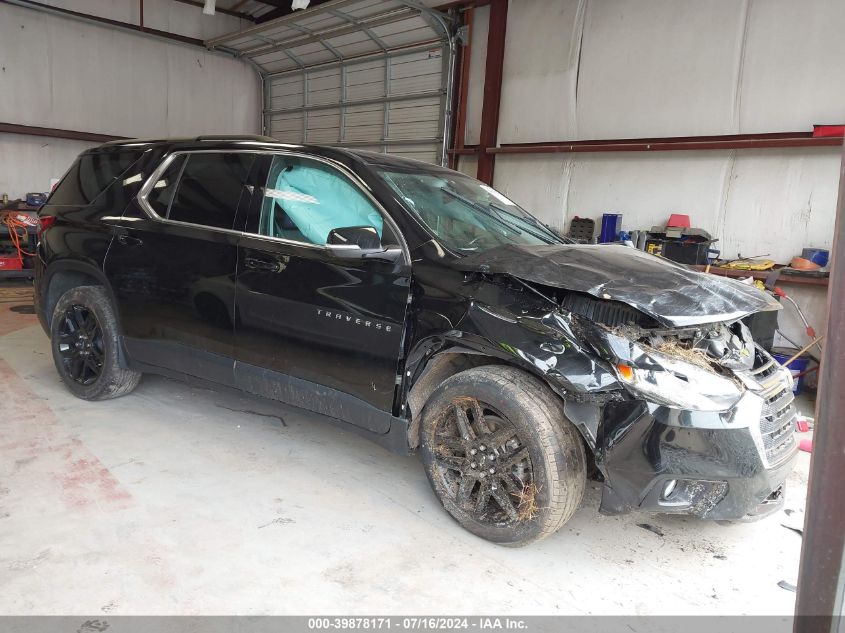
(84, 334)
(540, 467)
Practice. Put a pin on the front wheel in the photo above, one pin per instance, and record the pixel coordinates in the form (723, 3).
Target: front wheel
(84, 337)
(501, 456)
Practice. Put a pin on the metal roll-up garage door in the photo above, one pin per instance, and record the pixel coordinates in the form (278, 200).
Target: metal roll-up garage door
(370, 74)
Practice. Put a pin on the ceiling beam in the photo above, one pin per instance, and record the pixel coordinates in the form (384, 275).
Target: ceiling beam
(234, 14)
(283, 8)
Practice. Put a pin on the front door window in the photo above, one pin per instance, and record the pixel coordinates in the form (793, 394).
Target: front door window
(305, 200)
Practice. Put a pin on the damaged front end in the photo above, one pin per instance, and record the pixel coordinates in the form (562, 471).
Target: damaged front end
(705, 426)
(684, 413)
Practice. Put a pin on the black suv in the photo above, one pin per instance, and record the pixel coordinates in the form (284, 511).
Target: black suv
(422, 309)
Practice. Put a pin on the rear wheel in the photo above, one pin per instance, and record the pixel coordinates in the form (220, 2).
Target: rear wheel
(501, 456)
(84, 338)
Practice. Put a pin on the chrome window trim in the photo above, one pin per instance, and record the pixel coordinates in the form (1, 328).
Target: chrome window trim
(344, 171)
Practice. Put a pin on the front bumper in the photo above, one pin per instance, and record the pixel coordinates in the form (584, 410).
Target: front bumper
(723, 465)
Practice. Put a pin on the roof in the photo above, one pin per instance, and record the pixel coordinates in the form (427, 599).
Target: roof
(257, 142)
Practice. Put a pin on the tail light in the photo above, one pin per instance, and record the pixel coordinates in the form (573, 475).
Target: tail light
(44, 223)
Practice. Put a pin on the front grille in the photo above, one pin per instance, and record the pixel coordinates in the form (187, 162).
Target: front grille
(610, 313)
(777, 423)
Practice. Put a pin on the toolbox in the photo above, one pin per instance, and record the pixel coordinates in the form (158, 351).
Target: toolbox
(9, 262)
(686, 252)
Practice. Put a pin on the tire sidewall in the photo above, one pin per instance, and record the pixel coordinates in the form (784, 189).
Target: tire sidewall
(513, 404)
(94, 299)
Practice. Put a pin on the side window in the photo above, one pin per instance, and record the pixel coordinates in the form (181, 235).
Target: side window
(210, 188)
(161, 195)
(90, 175)
(304, 200)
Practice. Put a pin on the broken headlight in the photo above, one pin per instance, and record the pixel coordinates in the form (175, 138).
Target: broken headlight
(679, 384)
(665, 380)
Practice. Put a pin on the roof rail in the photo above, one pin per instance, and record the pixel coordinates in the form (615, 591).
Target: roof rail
(236, 137)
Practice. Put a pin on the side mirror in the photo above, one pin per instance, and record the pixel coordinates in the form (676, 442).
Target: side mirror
(360, 242)
(364, 237)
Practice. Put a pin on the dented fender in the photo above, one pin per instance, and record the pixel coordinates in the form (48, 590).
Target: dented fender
(540, 342)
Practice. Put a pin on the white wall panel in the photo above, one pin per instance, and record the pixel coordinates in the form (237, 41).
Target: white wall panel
(66, 74)
(793, 75)
(756, 202)
(468, 165)
(645, 190)
(27, 163)
(164, 15)
(542, 47)
(602, 69)
(659, 68)
(536, 182)
(779, 203)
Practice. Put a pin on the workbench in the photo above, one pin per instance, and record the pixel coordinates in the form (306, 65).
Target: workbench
(783, 279)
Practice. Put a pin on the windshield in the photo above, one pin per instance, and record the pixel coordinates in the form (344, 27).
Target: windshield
(465, 214)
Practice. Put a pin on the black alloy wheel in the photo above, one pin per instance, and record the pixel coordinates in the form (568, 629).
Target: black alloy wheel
(86, 345)
(81, 345)
(500, 454)
(483, 464)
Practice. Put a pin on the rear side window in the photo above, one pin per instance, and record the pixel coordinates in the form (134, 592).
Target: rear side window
(210, 189)
(90, 175)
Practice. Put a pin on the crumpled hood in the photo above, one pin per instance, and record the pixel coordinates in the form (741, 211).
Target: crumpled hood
(670, 293)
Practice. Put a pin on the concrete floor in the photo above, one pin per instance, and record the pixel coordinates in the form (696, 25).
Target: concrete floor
(176, 500)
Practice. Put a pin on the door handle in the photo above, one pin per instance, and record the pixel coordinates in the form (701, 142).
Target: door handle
(262, 265)
(128, 240)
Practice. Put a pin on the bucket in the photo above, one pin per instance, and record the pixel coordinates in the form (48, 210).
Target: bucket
(783, 354)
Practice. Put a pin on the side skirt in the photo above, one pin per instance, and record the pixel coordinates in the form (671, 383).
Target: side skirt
(210, 371)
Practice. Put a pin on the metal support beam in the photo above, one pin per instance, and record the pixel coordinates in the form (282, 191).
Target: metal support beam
(492, 88)
(50, 132)
(447, 107)
(724, 142)
(462, 71)
(821, 579)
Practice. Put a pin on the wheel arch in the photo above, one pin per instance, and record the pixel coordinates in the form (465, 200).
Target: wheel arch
(61, 276)
(436, 359)
(439, 361)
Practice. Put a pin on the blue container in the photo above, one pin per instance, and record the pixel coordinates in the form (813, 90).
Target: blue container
(818, 256)
(611, 224)
(781, 355)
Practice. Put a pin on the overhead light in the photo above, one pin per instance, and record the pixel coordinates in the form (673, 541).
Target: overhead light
(208, 9)
(299, 4)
